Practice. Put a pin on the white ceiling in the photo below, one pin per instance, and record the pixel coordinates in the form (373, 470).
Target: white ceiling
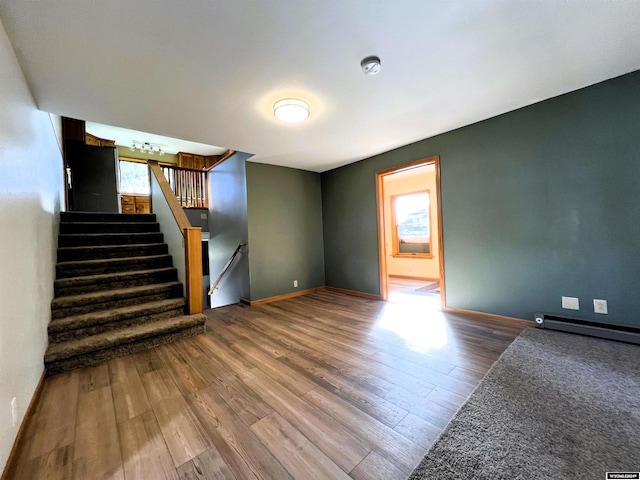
(126, 137)
(210, 71)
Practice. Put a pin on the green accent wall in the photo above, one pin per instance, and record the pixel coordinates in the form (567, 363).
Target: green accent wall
(285, 230)
(537, 203)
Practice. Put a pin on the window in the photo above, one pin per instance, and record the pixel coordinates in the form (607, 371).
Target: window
(411, 225)
(134, 178)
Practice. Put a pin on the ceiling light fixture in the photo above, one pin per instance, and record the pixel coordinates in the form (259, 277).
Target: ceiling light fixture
(146, 147)
(371, 66)
(291, 110)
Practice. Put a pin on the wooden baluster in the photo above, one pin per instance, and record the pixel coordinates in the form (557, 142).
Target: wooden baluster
(183, 188)
(205, 176)
(199, 178)
(174, 182)
(187, 194)
(188, 175)
(196, 190)
(183, 196)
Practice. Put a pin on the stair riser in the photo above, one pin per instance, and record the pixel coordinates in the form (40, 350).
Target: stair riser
(63, 336)
(101, 253)
(120, 265)
(120, 301)
(101, 356)
(106, 239)
(73, 228)
(106, 217)
(80, 285)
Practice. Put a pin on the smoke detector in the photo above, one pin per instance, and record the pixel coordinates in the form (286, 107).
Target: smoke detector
(371, 66)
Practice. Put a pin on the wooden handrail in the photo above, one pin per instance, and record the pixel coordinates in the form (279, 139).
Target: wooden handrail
(226, 267)
(175, 167)
(192, 237)
(172, 200)
(221, 158)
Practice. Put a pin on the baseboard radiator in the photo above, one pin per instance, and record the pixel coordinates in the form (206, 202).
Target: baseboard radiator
(620, 333)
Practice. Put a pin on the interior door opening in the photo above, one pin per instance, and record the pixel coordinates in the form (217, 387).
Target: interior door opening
(410, 233)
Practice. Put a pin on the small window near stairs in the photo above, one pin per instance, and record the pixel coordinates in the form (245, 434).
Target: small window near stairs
(134, 178)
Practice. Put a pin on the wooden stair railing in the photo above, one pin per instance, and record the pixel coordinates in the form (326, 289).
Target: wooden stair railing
(188, 185)
(226, 267)
(192, 237)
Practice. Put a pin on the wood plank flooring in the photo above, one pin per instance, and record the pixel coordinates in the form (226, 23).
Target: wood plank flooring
(325, 386)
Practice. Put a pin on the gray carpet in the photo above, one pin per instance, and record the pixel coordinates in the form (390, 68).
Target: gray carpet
(554, 406)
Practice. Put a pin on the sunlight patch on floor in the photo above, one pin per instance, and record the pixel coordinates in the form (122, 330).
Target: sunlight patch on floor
(425, 301)
(422, 328)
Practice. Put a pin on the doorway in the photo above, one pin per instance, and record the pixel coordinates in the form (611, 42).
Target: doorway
(410, 246)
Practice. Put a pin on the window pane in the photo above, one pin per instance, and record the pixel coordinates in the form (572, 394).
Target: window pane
(412, 220)
(134, 178)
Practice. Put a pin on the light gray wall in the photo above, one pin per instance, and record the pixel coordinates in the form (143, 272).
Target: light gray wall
(285, 230)
(31, 196)
(172, 234)
(228, 227)
(537, 203)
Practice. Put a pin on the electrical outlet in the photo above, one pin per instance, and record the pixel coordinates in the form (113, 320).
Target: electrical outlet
(14, 412)
(295, 283)
(203, 216)
(600, 306)
(570, 303)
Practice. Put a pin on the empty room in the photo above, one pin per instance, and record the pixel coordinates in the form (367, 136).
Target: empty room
(319, 240)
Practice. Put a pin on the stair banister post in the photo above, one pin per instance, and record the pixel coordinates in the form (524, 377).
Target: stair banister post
(191, 239)
(193, 260)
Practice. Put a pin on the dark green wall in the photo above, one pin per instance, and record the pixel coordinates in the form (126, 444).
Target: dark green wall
(285, 230)
(537, 203)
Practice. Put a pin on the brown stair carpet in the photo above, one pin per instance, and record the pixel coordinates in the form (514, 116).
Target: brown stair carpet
(116, 291)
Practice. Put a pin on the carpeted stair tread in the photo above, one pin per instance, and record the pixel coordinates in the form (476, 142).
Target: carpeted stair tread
(106, 281)
(71, 348)
(107, 295)
(98, 252)
(101, 356)
(112, 315)
(82, 326)
(108, 238)
(106, 217)
(108, 227)
(103, 265)
(117, 298)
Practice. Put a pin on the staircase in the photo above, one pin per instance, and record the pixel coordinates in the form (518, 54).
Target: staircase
(116, 291)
